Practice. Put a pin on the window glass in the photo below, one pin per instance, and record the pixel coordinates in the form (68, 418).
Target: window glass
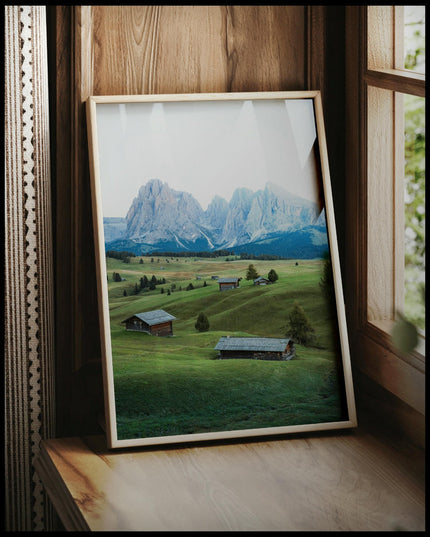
(414, 38)
(414, 308)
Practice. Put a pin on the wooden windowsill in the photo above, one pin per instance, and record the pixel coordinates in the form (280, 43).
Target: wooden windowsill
(348, 481)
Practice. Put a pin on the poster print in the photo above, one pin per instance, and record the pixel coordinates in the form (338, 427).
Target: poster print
(221, 307)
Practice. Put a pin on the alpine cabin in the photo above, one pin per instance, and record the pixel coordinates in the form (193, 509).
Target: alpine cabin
(256, 348)
(226, 284)
(261, 280)
(156, 323)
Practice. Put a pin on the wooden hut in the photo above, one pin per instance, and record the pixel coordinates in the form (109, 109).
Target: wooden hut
(261, 280)
(228, 283)
(156, 323)
(256, 348)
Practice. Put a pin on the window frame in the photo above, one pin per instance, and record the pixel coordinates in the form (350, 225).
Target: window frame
(367, 72)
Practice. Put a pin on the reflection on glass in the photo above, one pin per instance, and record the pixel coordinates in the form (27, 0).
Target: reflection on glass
(414, 38)
(415, 210)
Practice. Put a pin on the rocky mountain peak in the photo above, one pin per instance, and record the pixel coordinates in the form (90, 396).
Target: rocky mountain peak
(159, 211)
(160, 215)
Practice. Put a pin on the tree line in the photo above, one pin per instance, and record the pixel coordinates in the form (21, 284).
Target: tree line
(125, 256)
(213, 254)
(120, 255)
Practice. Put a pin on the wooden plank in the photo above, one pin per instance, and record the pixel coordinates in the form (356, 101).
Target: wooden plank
(192, 49)
(59, 37)
(345, 482)
(380, 37)
(356, 172)
(58, 493)
(380, 204)
(401, 81)
(317, 50)
(187, 97)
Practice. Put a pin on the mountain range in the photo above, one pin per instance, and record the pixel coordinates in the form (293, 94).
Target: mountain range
(268, 221)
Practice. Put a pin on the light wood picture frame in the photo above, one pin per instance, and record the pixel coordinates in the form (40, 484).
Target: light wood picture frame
(220, 295)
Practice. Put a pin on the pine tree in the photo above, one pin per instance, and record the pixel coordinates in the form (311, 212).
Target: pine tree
(251, 273)
(272, 276)
(299, 328)
(327, 286)
(202, 323)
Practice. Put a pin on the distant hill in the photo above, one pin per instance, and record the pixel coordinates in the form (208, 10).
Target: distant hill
(269, 221)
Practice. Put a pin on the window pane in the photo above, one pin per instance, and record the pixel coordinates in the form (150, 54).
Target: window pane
(414, 38)
(415, 209)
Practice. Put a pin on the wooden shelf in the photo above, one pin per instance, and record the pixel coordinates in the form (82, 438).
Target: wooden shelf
(329, 482)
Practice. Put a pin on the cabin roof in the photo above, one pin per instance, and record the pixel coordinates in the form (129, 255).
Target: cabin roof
(265, 344)
(153, 317)
(227, 280)
(261, 279)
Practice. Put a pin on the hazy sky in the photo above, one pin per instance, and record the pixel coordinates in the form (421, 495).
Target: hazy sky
(205, 148)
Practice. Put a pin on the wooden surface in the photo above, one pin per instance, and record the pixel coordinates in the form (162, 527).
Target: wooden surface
(380, 196)
(193, 49)
(342, 482)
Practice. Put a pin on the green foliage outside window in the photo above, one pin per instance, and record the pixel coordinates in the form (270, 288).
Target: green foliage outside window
(415, 210)
(415, 181)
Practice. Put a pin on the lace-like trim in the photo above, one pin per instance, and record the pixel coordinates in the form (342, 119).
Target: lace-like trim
(29, 295)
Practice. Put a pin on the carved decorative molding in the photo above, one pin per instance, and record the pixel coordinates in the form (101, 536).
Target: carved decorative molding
(29, 342)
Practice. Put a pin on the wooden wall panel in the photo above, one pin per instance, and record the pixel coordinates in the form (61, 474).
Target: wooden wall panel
(188, 49)
(107, 50)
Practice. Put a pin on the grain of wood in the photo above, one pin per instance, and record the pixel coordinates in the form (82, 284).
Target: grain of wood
(380, 203)
(192, 49)
(349, 482)
(381, 37)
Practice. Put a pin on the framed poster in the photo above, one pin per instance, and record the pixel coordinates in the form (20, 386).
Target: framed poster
(221, 306)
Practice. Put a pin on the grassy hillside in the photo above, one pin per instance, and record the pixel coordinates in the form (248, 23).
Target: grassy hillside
(176, 385)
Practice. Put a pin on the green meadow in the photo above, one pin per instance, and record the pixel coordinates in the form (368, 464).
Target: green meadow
(176, 385)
